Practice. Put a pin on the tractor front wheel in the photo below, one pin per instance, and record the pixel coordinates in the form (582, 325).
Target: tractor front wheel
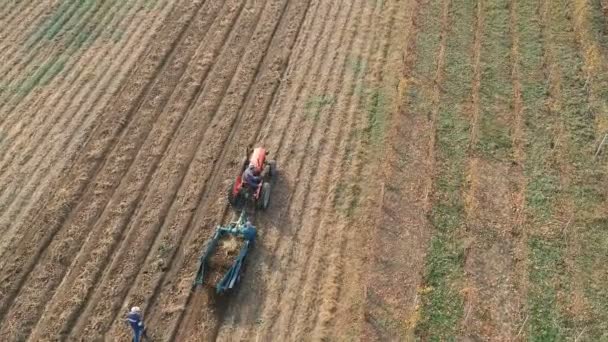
(232, 198)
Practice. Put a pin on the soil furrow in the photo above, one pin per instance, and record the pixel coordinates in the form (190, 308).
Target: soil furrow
(316, 310)
(23, 21)
(30, 192)
(281, 194)
(314, 103)
(19, 78)
(343, 277)
(295, 30)
(472, 173)
(189, 181)
(304, 49)
(323, 218)
(32, 290)
(215, 186)
(440, 310)
(28, 137)
(66, 95)
(216, 158)
(114, 219)
(62, 15)
(155, 101)
(9, 11)
(545, 247)
(191, 258)
(170, 174)
(139, 174)
(519, 193)
(582, 176)
(101, 316)
(493, 303)
(309, 248)
(370, 107)
(90, 162)
(24, 125)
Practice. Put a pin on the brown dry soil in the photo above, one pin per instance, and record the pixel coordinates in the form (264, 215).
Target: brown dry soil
(123, 122)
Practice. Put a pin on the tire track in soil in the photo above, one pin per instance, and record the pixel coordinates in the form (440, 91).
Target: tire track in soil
(341, 82)
(188, 125)
(294, 97)
(191, 260)
(155, 101)
(307, 63)
(519, 156)
(20, 307)
(194, 179)
(495, 304)
(308, 124)
(25, 22)
(187, 317)
(335, 301)
(39, 191)
(79, 134)
(138, 177)
(116, 123)
(32, 190)
(55, 210)
(20, 122)
(9, 10)
(305, 309)
(471, 203)
(67, 96)
(16, 177)
(31, 141)
(234, 126)
(15, 71)
(264, 101)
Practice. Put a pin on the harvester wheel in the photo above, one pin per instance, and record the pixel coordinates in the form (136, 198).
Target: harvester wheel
(264, 199)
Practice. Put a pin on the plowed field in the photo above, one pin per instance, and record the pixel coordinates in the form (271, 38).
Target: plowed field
(439, 172)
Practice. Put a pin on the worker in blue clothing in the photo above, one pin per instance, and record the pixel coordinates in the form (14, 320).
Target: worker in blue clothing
(252, 177)
(249, 231)
(136, 322)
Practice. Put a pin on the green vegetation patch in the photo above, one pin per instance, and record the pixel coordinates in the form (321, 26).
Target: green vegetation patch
(316, 104)
(587, 185)
(543, 181)
(442, 303)
(496, 90)
(376, 116)
(562, 135)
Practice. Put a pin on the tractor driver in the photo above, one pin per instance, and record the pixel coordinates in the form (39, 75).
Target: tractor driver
(252, 177)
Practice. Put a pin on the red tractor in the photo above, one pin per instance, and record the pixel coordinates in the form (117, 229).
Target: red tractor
(242, 193)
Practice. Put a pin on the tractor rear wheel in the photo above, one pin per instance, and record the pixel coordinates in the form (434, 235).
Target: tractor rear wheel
(264, 199)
